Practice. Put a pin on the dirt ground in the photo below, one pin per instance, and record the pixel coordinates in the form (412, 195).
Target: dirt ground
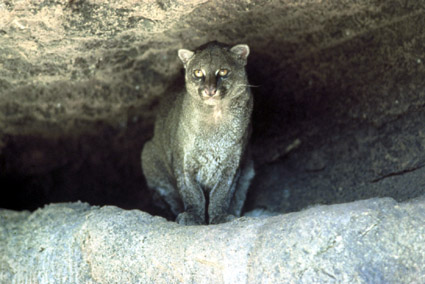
(339, 99)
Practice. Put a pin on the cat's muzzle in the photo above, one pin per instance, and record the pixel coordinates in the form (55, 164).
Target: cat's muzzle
(209, 92)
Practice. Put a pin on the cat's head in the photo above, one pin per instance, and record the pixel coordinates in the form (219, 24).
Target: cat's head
(215, 71)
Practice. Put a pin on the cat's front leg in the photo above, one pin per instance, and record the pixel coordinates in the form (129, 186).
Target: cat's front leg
(194, 203)
(220, 198)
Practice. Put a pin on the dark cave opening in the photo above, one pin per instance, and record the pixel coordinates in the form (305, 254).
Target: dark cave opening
(307, 151)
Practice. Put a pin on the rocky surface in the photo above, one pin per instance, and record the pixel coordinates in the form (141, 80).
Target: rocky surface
(371, 241)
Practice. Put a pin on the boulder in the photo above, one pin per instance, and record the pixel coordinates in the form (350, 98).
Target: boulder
(369, 241)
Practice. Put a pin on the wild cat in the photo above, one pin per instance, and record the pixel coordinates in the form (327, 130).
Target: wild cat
(198, 160)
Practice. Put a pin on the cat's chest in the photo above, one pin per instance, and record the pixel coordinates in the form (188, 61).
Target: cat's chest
(212, 147)
(214, 139)
(216, 146)
(209, 161)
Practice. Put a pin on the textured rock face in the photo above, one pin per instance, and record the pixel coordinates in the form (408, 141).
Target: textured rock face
(371, 241)
(338, 110)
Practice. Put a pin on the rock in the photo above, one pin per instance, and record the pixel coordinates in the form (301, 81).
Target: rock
(369, 241)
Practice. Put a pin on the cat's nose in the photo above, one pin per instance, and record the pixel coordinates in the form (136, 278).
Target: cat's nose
(210, 91)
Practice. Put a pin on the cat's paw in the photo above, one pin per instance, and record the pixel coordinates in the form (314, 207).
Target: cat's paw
(188, 219)
(222, 218)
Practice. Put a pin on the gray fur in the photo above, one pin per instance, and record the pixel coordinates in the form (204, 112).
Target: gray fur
(198, 159)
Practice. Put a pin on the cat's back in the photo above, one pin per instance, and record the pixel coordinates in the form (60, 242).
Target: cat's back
(168, 115)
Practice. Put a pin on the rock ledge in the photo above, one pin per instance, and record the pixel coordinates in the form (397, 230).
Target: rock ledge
(369, 241)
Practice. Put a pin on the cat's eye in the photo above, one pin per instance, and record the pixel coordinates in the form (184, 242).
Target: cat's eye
(198, 73)
(223, 72)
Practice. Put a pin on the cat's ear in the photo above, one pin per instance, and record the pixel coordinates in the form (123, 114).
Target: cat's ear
(185, 55)
(241, 50)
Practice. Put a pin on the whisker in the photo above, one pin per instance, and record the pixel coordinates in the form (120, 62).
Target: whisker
(244, 85)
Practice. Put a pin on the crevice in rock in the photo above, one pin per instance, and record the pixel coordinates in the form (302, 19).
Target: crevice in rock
(408, 170)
